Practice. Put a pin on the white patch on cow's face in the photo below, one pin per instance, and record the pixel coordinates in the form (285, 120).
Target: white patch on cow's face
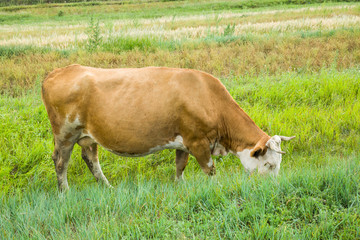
(249, 163)
(268, 163)
(210, 163)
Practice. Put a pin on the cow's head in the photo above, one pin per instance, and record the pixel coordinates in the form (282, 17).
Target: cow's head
(264, 157)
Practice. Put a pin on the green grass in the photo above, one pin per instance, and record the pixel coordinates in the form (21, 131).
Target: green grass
(319, 108)
(312, 203)
(9, 52)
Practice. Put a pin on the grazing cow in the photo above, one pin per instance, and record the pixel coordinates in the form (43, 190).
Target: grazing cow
(138, 111)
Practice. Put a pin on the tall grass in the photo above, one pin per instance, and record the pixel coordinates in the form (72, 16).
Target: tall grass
(312, 203)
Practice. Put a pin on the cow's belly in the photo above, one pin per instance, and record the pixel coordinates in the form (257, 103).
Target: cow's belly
(176, 144)
(133, 151)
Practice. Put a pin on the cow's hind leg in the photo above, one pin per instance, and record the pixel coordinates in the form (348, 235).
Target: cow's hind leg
(61, 156)
(89, 154)
(181, 161)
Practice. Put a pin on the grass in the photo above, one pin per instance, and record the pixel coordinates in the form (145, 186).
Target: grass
(321, 203)
(248, 54)
(294, 69)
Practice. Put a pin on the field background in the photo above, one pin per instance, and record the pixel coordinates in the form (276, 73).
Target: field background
(292, 65)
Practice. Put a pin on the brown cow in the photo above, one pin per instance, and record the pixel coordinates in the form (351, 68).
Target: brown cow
(138, 111)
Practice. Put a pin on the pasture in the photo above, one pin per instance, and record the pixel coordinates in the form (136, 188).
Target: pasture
(293, 67)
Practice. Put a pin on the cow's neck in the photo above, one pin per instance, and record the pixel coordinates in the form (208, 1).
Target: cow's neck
(239, 131)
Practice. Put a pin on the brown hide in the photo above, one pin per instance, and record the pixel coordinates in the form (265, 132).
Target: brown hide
(133, 110)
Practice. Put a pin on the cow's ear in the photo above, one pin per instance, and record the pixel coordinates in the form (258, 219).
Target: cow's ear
(257, 151)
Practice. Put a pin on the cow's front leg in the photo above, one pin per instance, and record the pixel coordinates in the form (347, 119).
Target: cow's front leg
(181, 162)
(201, 152)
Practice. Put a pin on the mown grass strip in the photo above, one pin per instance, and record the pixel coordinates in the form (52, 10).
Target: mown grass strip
(139, 10)
(179, 28)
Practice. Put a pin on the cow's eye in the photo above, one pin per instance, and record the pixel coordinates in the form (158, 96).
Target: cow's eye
(268, 165)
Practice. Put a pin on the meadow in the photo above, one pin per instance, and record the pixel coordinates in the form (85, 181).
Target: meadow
(293, 67)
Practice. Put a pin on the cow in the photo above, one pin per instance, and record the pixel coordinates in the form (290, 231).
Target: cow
(138, 111)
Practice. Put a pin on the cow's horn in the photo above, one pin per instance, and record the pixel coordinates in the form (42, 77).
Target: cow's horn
(279, 151)
(283, 138)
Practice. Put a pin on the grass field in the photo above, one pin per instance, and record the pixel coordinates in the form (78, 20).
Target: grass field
(293, 67)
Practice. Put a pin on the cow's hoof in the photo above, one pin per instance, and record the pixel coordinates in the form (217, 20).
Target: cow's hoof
(212, 172)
